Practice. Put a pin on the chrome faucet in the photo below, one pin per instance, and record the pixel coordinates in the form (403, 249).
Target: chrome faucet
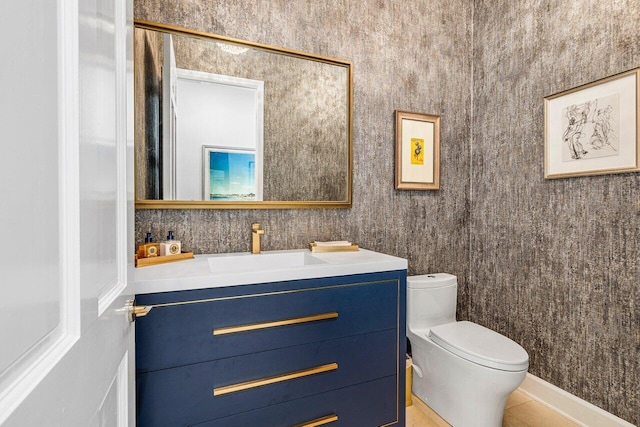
(256, 232)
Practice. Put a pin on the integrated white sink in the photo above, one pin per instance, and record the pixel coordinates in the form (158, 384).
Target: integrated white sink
(218, 270)
(253, 263)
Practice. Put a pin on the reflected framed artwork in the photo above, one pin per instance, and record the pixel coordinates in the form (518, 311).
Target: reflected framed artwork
(230, 175)
(593, 129)
(417, 151)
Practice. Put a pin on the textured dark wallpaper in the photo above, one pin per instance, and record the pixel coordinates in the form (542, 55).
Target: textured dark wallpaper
(555, 264)
(147, 115)
(413, 56)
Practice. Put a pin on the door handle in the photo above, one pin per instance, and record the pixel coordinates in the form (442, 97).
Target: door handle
(134, 311)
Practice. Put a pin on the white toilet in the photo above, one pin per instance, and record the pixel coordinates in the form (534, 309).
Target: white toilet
(463, 371)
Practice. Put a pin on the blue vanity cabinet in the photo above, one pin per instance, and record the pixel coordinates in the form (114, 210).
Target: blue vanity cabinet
(275, 354)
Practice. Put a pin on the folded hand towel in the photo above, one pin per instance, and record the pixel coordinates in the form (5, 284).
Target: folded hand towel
(333, 243)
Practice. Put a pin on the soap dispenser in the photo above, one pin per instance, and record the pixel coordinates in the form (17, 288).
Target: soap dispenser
(171, 246)
(148, 249)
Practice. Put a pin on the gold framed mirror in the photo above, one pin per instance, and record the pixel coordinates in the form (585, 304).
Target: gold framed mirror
(222, 123)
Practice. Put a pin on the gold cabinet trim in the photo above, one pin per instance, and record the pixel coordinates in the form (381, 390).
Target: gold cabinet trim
(320, 421)
(273, 324)
(275, 379)
(283, 292)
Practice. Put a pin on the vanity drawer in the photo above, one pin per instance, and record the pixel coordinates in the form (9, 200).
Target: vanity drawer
(185, 395)
(195, 332)
(369, 404)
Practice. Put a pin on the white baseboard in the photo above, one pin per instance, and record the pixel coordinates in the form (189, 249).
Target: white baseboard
(577, 410)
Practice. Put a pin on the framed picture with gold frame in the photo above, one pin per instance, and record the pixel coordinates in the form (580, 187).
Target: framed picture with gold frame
(417, 151)
(593, 129)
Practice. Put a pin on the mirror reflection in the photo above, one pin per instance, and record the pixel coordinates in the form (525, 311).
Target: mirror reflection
(221, 122)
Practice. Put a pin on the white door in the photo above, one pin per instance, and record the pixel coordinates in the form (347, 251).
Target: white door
(66, 213)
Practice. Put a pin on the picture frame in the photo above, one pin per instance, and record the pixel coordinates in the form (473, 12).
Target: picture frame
(417, 151)
(593, 129)
(229, 174)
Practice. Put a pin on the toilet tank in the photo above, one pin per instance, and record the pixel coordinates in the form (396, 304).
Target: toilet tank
(431, 300)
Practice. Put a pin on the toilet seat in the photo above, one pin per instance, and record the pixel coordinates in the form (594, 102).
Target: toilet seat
(480, 345)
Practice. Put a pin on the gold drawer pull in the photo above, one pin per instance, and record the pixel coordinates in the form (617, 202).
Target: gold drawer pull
(284, 322)
(319, 422)
(272, 380)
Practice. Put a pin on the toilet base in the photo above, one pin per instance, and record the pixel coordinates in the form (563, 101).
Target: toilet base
(464, 393)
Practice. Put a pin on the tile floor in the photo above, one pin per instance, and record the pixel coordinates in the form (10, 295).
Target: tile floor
(520, 411)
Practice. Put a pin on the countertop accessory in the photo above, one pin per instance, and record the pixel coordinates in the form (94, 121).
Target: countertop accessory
(145, 262)
(171, 246)
(334, 246)
(148, 249)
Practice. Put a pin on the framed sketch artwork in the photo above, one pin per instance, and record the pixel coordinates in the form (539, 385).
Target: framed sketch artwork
(417, 151)
(593, 129)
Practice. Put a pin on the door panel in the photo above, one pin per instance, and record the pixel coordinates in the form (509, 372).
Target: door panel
(98, 147)
(30, 155)
(67, 212)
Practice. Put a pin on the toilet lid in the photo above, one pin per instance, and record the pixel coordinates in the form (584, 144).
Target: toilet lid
(480, 345)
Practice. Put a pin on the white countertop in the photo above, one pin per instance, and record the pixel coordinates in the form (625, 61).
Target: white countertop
(197, 274)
